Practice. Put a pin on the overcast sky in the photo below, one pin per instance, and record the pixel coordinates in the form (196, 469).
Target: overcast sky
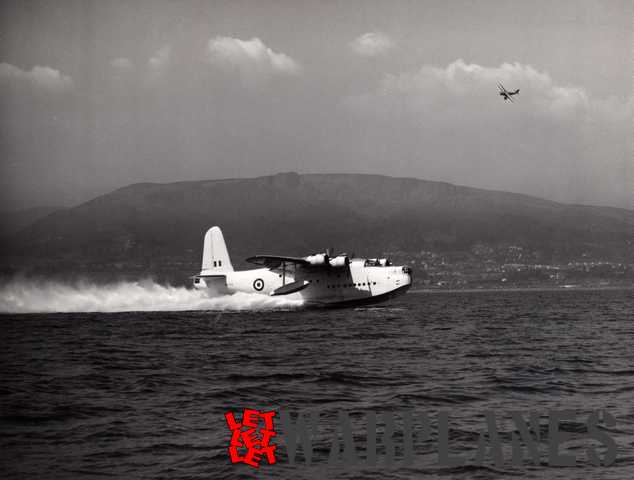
(98, 95)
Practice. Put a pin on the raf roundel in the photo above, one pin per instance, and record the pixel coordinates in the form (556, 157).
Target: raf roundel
(258, 284)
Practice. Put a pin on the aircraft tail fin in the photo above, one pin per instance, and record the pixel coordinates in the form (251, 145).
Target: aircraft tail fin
(215, 255)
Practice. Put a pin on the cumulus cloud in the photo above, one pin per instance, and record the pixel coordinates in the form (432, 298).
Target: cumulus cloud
(252, 59)
(449, 123)
(45, 78)
(159, 62)
(472, 83)
(122, 64)
(371, 44)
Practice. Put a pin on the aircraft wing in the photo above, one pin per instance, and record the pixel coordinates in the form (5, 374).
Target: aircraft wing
(501, 87)
(275, 261)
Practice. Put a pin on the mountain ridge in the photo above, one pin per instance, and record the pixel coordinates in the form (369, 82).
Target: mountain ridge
(152, 225)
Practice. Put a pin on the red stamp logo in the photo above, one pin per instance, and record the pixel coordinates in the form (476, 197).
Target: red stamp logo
(251, 439)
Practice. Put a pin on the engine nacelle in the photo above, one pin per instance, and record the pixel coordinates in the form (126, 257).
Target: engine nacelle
(340, 261)
(317, 259)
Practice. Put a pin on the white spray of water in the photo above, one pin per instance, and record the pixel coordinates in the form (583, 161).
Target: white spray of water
(22, 296)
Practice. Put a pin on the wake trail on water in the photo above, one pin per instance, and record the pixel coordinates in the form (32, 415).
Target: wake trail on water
(22, 296)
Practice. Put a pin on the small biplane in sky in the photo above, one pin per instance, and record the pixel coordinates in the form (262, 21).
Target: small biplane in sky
(506, 93)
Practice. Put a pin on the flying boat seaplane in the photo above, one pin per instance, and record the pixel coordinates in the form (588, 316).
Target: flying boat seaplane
(321, 279)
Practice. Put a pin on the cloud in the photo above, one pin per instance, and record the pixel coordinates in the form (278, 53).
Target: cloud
(371, 44)
(472, 83)
(252, 59)
(45, 78)
(449, 123)
(122, 64)
(159, 62)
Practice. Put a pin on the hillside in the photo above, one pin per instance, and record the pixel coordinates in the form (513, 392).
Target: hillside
(14, 221)
(154, 227)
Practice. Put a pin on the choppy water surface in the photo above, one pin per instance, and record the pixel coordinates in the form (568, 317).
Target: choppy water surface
(142, 395)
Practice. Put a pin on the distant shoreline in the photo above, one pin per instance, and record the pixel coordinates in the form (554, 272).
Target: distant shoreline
(519, 289)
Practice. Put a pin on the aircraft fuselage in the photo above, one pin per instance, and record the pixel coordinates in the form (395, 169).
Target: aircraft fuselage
(316, 279)
(357, 283)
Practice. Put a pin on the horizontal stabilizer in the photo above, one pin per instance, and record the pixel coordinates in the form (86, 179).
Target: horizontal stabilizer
(291, 287)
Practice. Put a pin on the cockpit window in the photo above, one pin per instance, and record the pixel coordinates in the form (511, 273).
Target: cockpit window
(377, 262)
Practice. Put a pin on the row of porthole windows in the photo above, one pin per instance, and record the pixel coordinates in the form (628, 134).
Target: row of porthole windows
(349, 285)
(343, 285)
